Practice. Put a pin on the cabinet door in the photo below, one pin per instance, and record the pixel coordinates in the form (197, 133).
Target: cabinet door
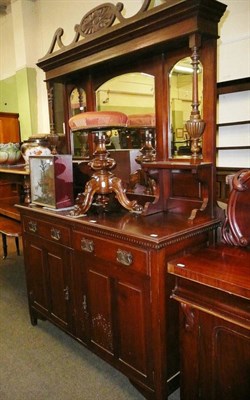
(48, 270)
(93, 304)
(215, 358)
(113, 314)
(224, 359)
(132, 321)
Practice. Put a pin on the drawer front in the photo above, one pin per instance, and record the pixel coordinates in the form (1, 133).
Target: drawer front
(115, 252)
(57, 233)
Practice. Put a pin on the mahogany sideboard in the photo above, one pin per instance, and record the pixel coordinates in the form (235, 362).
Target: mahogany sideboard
(213, 290)
(103, 280)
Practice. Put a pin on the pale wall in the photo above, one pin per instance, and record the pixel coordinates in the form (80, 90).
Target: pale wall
(234, 42)
(234, 63)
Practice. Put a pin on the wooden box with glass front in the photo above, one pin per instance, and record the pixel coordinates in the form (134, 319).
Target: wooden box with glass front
(113, 290)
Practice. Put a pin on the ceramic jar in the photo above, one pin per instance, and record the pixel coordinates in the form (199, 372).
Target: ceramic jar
(35, 146)
(10, 153)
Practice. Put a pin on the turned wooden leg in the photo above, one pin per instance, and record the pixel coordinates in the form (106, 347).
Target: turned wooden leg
(17, 245)
(84, 200)
(4, 240)
(116, 186)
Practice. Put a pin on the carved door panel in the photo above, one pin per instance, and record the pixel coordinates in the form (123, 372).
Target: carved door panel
(132, 321)
(99, 292)
(48, 278)
(224, 359)
(215, 357)
(93, 291)
(112, 314)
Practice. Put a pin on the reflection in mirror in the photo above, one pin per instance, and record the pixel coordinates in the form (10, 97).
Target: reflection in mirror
(131, 93)
(58, 108)
(180, 80)
(78, 105)
(77, 101)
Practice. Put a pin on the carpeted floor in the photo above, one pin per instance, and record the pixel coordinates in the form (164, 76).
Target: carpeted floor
(43, 363)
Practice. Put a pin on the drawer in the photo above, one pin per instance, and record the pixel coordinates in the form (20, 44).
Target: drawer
(57, 233)
(115, 252)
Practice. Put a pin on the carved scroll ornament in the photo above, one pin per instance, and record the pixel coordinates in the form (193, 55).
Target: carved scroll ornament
(188, 312)
(96, 20)
(236, 228)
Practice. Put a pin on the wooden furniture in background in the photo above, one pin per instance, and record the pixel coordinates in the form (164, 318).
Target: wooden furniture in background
(14, 188)
(9, 228)
(9, 128)
(213, 289)
(222, 187)
(10, 176)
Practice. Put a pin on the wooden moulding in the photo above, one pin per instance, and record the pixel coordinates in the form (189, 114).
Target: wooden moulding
(167, 22)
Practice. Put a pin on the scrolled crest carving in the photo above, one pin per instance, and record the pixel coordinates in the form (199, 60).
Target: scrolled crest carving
(96, 20)
(99, 18)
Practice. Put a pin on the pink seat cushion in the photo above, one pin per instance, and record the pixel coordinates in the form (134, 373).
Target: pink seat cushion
(97, 119)
(144, 120)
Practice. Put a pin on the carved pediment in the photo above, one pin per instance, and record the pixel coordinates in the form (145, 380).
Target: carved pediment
(98, 19)
(105, 34)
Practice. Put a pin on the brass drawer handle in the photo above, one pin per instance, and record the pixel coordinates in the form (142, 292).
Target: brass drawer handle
(124, 257)
(87, 245)
(32, 226)
(55, 234)
(66, 293)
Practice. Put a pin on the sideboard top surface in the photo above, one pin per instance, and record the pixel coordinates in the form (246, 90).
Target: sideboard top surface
(156, 231)
(224, 267)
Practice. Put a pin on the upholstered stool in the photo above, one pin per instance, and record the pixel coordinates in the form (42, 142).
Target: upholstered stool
(145, 123)
(141, 120)
(10, 228)
(102, 182)
(98, 120)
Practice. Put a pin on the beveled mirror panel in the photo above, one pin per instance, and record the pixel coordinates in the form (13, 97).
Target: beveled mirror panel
(77, 100)
(130, 93)
(58, 108)
(181, 86)
(78, 105)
